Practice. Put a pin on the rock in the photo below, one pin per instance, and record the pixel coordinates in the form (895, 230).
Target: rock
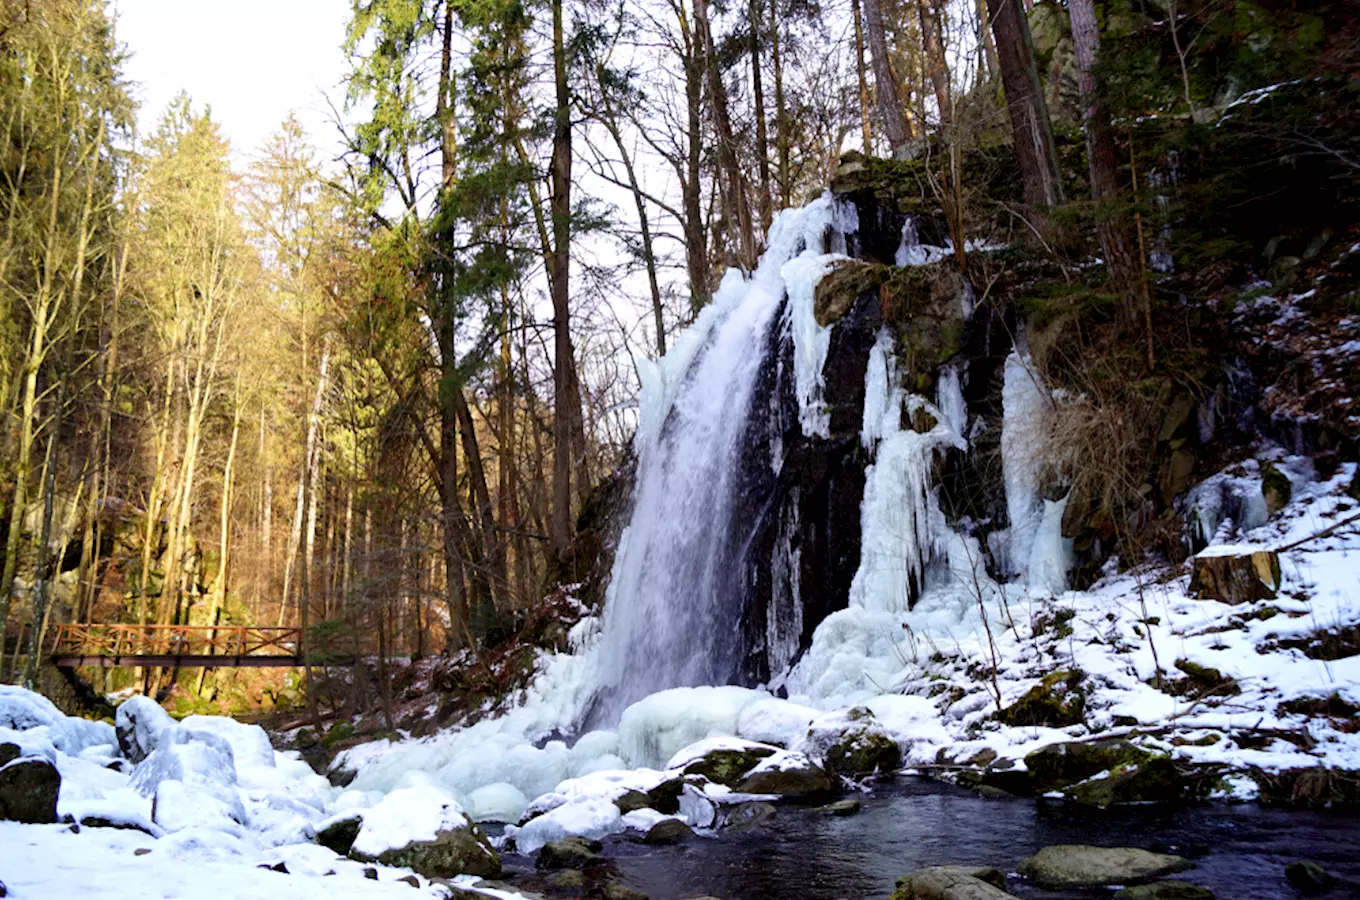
(745, 816)
(1057, 701)
(124, 824)
(569, 853)
(791, 775)
(339, 835)
(841, 807)
(371, 873)
(570, 880)
(1235, 575)
(457, 851)
(988, 792)
(1101, 773)
(631, 801)
(139, 724)
(1165, 890)
(143, 851)
(8, 754)
(28, 791)
(668, 831)
(617, 891)
(1078, 865)
(4, 891)
(863, 749)
(952, 883)
(1276, 489)
(1308, 877)
(728, 765)
(412, 880)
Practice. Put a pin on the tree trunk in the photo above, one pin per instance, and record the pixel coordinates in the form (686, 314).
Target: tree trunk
(937, 67)
(1035, 151)
(756, 24)
(566, 401)
(695, 234)
(1100, 147)
(886, 85)
(737, 210)
(865, 116)
(219, 594)
(781, 122)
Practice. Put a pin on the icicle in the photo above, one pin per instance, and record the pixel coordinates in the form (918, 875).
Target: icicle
(882, 393)
(949, 399)
(1024, 406)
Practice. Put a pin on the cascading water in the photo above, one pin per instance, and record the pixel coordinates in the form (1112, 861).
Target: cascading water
(673, 608)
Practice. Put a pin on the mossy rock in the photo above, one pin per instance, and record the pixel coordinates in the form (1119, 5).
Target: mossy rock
(1201, 681)
(1152, 780)
(728, 766)
(458, 851)
(341, 731)
(1057, 701)
(1276, 489)
(863, 750)
(28, 791)
(668, 831)
(788, 782)
(569, 853)
(1060, 765)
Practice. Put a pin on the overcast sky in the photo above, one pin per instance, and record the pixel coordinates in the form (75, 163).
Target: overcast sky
(252, 61)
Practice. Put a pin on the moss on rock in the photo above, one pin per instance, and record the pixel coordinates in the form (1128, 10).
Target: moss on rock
(1057, 701)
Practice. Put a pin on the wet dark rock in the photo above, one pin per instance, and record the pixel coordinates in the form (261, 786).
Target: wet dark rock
(120, 824)
(28, 791)
(339, 836)
(631, 801)
(8, 754)
(668, 831)
(341, 777)
(569, 880)
(1308, 877)
(745, 816)
(569, 853)
(1078, 865)
(952, 883)
(371, 873)
(1165, 890)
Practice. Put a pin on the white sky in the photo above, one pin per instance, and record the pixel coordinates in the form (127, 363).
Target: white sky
(252, 61)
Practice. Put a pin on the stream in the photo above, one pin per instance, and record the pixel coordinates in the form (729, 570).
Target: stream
(1240, 850)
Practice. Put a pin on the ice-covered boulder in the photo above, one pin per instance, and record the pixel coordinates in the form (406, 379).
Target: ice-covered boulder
(591, 818)
(249, 743)
(28, 791)
(853, 744)
(140, 724)
(22, 710)
(178, 806)
(425, 829)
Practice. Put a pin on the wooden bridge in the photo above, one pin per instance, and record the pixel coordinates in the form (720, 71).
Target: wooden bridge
(185, 646)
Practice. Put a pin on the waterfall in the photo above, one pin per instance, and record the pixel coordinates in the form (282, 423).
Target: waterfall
(673, 609)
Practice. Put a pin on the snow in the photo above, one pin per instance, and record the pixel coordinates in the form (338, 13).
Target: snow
(1023, 432)
(594, 817)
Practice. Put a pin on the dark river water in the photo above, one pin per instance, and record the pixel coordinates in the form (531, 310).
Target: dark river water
(1240, 851)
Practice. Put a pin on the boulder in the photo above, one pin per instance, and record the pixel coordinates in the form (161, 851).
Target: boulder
(28, 791)
(339, 834)
(1308, 877)
(569, 853)
(1101, 773)
(8, 754)
(789, 775)
(456, 851)
(841, 807)
(177, 806)
(1154, 779)
(139, 725)
(571, 881)
(1165, 890)
(1058, 700)
(668, 831)
(745, 816)
(616, 890)
(1078, 865)
(862, 748)
(1235, 575)
(1275, 489)
(952, 883)
(723, 764)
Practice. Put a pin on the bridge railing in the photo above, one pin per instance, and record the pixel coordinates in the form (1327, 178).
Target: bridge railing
(118, 641)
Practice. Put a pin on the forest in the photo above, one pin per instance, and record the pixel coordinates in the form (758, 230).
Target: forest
(661, 421)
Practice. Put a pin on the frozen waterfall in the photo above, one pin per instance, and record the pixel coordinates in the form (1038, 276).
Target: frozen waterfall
(672, 611)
